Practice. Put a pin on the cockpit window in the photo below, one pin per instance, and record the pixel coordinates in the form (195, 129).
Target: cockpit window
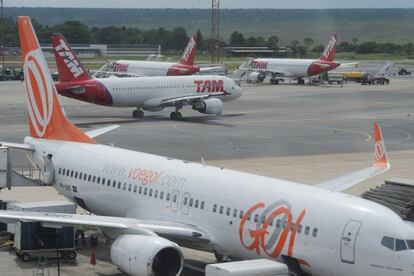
(400, 245)
(388, 242)
(410, 244)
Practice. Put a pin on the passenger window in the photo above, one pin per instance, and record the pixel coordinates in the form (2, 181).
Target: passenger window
(241, 214)
(221, 209)
(410, 244)
(145, 191)
(98, 180)
(76, 174)
(129, 187)
(214, 208)
(140, 190)
(93, 179)
(228, 211)
(119, 185)
(185, 201)
(67, 173)
(80, 176)
(156, 194)
(60, 170)
(315, 232)
(114, 183)
(168, 197)
(262, 219)
(285, 225)
(103, 181)
(388, 242)
(89, 178)
(150, 192)
(135, 188)
(71, 173)
(307, 230)
(300, 228)
(256, 218)
(196, 204)
(162, 195)
(400, 245)
(85, 176)
(175, 198)
(202, 205)
(278, 223)
(235, 213)
(191, 202)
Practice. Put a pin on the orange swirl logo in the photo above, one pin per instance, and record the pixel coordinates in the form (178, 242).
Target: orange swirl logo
(39, 90)
(379, 151)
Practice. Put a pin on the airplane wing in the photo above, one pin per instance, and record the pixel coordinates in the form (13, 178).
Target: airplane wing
(189, 99)
(349, 65)
(126, 225)
(380, 166)
(210, 69)
(98, 132)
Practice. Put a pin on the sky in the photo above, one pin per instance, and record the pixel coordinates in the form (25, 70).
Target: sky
(229, 4)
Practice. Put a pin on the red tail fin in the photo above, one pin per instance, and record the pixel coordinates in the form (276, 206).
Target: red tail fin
(189, 52)
(68, 65)
(46, 118)
(330, 51)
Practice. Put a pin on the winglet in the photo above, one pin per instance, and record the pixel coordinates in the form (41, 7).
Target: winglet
(381, 157)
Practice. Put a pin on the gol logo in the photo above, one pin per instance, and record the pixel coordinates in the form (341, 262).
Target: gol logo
(379, 151)
(39, 90)
(261, 239)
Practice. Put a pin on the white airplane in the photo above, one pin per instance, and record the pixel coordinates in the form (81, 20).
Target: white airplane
(151, 204)
(205, 94)
(292, 68)
(153, 67)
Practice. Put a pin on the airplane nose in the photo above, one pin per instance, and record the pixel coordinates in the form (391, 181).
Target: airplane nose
(238, 92)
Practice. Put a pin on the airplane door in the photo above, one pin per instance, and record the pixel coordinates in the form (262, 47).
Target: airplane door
(348, 241)
(175, 195)
(185, 204)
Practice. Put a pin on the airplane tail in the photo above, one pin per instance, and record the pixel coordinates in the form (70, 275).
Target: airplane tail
(69, 67)
(189, 52)
(45, 116)
(330, 51)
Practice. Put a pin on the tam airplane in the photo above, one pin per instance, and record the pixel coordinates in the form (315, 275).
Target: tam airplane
(147, 68)
(292, 68)
(205, 94)
(150, 205)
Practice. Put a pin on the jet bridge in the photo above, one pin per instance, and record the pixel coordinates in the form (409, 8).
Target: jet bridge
(13, 177)
(396, 194)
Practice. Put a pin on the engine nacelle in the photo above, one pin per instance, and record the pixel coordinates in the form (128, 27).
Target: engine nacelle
(256, 77)
(140, 255)
(209, 106)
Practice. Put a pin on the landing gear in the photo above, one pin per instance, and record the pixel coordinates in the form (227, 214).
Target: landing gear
(176, 116)
(274, 81)
(222, 258)
(301, 81)
(138, 113)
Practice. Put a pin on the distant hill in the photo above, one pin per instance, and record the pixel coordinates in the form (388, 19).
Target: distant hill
(380, 25)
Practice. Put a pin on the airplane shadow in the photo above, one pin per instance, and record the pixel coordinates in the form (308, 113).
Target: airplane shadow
(201, 120)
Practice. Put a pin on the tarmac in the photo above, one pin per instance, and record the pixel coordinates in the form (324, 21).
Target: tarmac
(299, 133)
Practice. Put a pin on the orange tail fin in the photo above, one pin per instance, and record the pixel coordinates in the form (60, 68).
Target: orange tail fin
(189, 52)
(330, 51)
(46, 118)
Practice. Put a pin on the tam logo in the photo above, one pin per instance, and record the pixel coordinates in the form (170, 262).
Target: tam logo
(121, 67)
(189, 49)
(210, 86)
(273, 228)
(70, 60)
(259, 64)
(330, 48)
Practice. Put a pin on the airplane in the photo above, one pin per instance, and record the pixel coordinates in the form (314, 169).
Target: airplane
(205, 94)
(292, 68)
(151, 205)
(151, 68)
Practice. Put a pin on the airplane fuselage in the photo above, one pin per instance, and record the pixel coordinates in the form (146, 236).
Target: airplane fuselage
(154, 68)
(327, 233)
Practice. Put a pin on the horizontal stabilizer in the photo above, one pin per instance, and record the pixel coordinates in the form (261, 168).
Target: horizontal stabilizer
(100, 131)
(16, 146)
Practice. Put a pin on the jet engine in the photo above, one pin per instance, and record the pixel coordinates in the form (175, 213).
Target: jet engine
(255, 77)
(140, 255)
(209, 106)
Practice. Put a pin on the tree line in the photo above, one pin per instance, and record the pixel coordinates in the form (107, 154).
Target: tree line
(177, 38)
